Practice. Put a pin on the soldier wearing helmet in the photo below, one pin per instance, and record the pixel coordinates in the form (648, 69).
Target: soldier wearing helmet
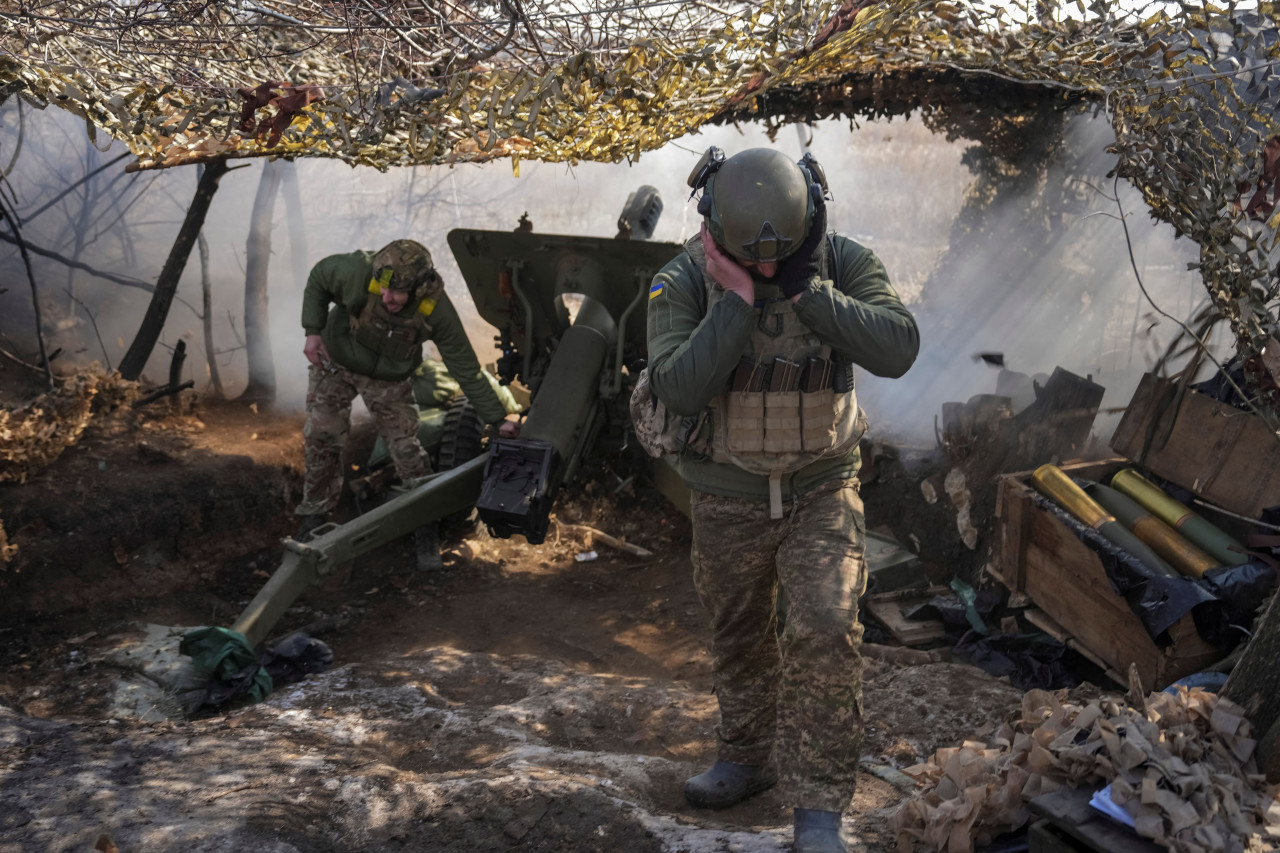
(753, 332)
(366, 315)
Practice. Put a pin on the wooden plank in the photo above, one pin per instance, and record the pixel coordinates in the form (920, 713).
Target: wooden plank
(1225, 455)
(1066, 580)
(890, 609)
(1130, 432)
(1068, 810)
(1053, 629)
(1042, 558)
(1014, 511)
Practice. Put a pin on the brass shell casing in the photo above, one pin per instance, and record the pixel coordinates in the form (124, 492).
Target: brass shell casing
(1174, 549)
(1051, 482)
(1224, 550)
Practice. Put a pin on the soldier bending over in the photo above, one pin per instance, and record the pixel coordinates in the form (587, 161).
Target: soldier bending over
(384, 306)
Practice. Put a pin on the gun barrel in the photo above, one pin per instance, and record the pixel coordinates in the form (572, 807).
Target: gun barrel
(524, 474)
(303, 564)
(568, 391)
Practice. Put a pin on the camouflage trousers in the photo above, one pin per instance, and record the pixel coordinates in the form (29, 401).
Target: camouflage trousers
(794, 695)
(330, 391)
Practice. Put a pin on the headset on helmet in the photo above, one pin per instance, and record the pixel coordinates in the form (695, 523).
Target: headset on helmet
(765, 189)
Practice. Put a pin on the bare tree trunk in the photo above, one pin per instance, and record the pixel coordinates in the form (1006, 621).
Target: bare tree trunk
(257, 327)
(297, 225)
(82, 225)
(206, 315)
(7, 213)
(167, 284)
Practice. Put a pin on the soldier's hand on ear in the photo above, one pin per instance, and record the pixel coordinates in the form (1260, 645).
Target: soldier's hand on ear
(797, 271)
(727, 272)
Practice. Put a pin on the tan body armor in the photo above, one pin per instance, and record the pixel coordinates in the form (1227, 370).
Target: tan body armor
(776, 432)
(770, 432)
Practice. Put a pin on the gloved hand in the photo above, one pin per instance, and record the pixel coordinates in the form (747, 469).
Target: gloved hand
(796, 271)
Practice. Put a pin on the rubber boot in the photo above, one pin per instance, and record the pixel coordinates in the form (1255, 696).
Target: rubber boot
(426, 547)
(817, 832)
(727, 784)
(307, 524)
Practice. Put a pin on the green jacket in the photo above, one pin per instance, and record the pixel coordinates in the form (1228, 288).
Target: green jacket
(342, 281)
(693, 352)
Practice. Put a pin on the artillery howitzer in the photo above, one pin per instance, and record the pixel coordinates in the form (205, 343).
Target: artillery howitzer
(576, 364)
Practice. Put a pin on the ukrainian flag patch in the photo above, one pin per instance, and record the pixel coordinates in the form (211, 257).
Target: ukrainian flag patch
(655, 290)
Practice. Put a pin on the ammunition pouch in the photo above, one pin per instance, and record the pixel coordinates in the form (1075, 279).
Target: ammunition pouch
(778, 432)
(763, 431)
(789, 404)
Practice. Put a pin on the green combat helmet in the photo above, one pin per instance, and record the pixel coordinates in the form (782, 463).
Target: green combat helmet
(406, 265)
(756, 204)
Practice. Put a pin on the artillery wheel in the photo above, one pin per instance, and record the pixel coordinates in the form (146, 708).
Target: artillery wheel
(463, 440)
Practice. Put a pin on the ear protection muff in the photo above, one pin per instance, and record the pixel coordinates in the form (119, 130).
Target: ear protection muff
(817, 175)
(700, 178)
(708, 164)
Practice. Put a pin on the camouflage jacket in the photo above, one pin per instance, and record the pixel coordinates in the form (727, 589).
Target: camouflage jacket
(694, 350)
(342, 281)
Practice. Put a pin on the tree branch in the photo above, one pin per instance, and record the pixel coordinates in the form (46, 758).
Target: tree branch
(7, 213)
(96, 273)
(88, 175)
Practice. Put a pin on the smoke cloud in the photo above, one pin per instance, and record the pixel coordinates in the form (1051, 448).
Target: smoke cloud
(897, 188)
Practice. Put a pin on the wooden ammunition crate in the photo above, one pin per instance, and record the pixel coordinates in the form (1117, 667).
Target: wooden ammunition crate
(1227, 456)
(1036, 554)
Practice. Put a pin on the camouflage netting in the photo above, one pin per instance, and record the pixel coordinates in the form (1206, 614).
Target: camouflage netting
(1190, 91)
(1181, 765)
(34, 435)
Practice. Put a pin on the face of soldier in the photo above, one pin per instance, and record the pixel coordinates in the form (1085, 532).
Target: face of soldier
(395, 300)
(766, 270)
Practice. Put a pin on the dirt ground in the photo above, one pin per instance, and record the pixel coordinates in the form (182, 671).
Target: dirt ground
(523, 698)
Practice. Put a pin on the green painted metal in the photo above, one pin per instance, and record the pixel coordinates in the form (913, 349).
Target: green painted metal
(1163, 539)
(332, 544)
(525, 284)
(1055, 485)
(1210, 539)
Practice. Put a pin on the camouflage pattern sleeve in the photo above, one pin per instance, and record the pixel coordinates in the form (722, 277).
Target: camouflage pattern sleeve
(692, 351)
(455, 349)
(864, 321)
